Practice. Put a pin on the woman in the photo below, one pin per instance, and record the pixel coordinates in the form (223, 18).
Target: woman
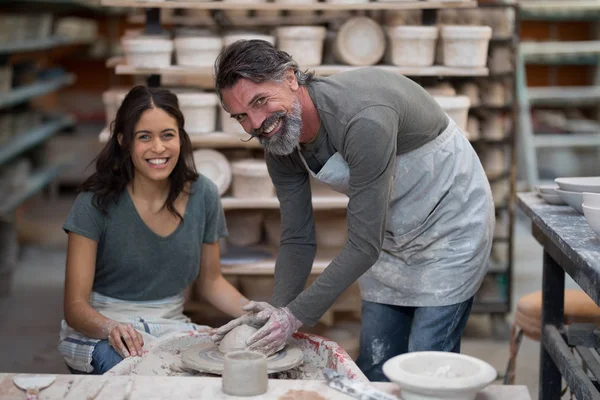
(144, 226)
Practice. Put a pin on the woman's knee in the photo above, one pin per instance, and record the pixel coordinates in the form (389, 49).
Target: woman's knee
(104, 357)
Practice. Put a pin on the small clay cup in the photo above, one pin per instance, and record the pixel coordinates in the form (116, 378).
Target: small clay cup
(245, 373)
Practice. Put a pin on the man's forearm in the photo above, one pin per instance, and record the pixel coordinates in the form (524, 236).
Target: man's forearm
(294, 263)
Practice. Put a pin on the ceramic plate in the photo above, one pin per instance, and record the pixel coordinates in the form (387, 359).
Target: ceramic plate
(583, 184)
(574, 199)
(26, 382)
(547, 189)
(215, 166)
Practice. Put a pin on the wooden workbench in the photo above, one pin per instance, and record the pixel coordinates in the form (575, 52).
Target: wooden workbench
(158, 387)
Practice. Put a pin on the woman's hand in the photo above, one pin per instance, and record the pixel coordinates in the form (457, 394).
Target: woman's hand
(125, 339)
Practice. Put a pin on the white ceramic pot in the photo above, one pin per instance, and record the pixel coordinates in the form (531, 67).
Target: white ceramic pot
(412, 45)
(230, 125)
(147, 51)
(251, 179)
(465, 46)
(457, 107)
(199, 110)
(360, 41)
(197, 51)
(303, 43)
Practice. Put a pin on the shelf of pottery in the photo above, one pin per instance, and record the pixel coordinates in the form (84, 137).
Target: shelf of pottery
(451, 56)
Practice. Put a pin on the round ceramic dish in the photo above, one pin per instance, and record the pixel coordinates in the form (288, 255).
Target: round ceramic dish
(214, 166)
(580, 184)
(574, 199)
(432, 375)
(592, 216)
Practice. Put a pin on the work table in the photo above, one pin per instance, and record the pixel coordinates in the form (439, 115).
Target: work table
(162, 387)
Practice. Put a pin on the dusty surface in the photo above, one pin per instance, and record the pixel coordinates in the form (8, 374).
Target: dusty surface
(302, 395)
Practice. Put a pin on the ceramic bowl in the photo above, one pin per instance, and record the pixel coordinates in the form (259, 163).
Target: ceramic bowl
(592, 216)
(591, 199)
(432, 375)
(574, 199)
(580, 184)
(547, 189)
(552, 199)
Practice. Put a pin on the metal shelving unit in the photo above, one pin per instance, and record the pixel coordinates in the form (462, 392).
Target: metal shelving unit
(153, 24)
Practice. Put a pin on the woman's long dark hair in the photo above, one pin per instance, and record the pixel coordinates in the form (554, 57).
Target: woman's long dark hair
(114, 168)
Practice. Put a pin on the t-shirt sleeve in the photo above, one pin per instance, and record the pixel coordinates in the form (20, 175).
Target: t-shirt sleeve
(84, 218)
(215, 226)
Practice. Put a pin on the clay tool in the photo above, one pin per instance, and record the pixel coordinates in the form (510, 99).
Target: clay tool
(32, 384)
(356, 389)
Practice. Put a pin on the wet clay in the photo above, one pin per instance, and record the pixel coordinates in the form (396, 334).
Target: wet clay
(302, 395)
(235, 340)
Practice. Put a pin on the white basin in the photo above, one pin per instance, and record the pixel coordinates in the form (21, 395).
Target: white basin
(580, 184)
(552, 198)
(574, 199)
(591, 199)
(592, 216)
(432, 375)
(547, 189)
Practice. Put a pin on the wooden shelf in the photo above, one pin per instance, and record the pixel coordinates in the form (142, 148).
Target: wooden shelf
(24, 141)
(323, 70)
(39, 44)
(267, 267)
(23, 94)
(213, 140)
(220, 5)
(319, 203)
(35, 183)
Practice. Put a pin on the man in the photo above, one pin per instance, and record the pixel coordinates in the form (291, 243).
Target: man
(420, 214)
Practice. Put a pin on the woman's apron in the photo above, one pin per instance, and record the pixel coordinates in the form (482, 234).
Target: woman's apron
(439, 225)
(152, 319)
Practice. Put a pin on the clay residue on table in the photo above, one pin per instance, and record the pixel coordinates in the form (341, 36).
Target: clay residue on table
(302, 395)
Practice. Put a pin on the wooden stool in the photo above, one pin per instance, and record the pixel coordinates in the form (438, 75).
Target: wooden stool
(528, 321)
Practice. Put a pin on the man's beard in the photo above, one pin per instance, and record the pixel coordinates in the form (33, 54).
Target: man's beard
(286, 140)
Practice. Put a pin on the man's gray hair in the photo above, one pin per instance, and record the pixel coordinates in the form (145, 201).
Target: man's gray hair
(255, 60)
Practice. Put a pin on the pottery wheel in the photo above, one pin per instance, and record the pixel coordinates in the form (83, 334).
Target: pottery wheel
(206, 357)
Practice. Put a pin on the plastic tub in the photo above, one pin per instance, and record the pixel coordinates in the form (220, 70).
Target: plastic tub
(331, 229)
(493, 128)
(215, 166)
(251, 179)
(360, 41)
(465, 46)
(197, 51)
(244, 226)
(303, 43)
(112, 99)
(200, 111)
(457, 107)
(147, 51)
(471, 90)
(273, 228)
(412, 45)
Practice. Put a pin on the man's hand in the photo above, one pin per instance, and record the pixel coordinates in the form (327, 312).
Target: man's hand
(273, 336)
(258, 313)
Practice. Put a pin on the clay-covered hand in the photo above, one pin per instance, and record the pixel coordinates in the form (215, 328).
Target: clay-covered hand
(273, 336)
(257, 313)
(125, 340)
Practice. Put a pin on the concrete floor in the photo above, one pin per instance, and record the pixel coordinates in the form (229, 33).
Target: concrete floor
(32, 312)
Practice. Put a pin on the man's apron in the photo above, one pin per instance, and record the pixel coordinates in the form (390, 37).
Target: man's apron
(439, 225)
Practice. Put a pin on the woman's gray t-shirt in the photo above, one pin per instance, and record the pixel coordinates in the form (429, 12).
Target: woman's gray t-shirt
(132, 262)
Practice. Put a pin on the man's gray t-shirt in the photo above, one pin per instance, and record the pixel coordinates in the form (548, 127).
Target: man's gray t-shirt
(369, 116)
(132, 262)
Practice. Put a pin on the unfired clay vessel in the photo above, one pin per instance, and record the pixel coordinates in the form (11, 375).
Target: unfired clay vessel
(235, 340)
(245, 373)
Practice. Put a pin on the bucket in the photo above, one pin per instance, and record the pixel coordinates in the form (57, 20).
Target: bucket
(251, 179)
(457, 107)
(147, 51)
(412, 46)
(199, 110)
(303, 43)
(465, 46)
(360, 41)
(197, 51)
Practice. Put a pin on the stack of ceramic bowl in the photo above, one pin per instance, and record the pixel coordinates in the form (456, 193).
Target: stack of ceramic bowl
(591, 210)
(571, 190)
